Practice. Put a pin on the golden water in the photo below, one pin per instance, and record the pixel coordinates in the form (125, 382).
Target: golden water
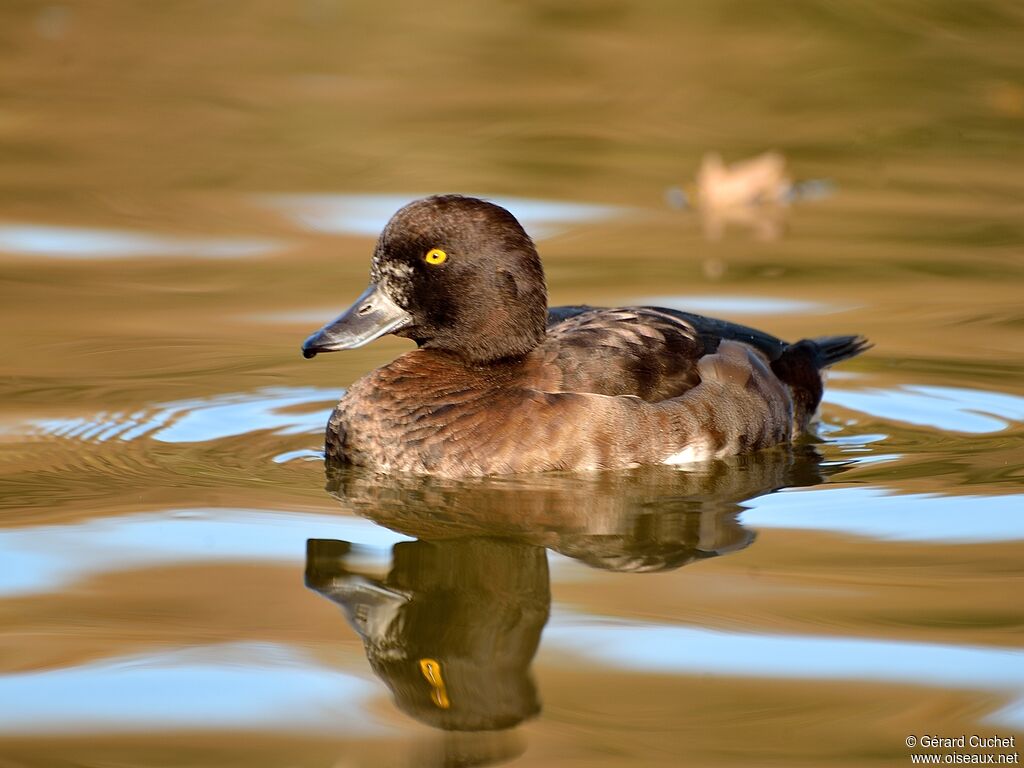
(188, 189)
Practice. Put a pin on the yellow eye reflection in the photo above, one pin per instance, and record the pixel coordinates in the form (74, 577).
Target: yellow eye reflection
(435, 256)
(431, 670)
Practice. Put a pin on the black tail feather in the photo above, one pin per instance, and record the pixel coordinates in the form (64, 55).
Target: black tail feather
(829, 350)
(800, 367)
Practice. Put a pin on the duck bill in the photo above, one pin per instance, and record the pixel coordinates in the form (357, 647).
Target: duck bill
(373, 315)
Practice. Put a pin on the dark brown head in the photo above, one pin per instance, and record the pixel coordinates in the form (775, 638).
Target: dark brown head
(452, 273)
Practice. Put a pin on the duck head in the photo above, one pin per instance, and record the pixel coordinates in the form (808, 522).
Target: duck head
(452, 273)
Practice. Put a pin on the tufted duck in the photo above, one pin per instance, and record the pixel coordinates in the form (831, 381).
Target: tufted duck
(500, 384)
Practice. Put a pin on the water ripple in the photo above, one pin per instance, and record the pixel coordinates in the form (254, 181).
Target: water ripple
(46, 558)
(881, 514)
(953, 409)
(234, 685)
(693, 650)
(201, 419)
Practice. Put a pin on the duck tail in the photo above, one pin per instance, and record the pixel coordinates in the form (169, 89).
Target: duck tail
(800, 365)
(811, 355)
(829, 350)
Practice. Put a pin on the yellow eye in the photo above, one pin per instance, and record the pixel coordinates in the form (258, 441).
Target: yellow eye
(435, 256)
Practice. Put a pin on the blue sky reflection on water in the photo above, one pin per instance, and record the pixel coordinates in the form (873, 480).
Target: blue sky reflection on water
(179, 217)
(253, 685)
(212, 418)
(62, 242)
(366, 215)
(45, 557)
(234, 685)
(695, 650)
(719, 304)
(880, 514)
(48, 557)
(956, 409)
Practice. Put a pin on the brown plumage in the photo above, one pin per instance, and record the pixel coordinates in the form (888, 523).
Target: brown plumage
(500, 385)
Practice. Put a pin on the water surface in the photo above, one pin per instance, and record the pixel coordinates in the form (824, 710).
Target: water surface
(189, 191)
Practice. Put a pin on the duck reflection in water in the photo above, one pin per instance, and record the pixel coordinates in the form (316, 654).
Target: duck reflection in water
(453, 627)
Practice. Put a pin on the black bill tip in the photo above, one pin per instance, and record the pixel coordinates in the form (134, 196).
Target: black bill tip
(373, 315)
